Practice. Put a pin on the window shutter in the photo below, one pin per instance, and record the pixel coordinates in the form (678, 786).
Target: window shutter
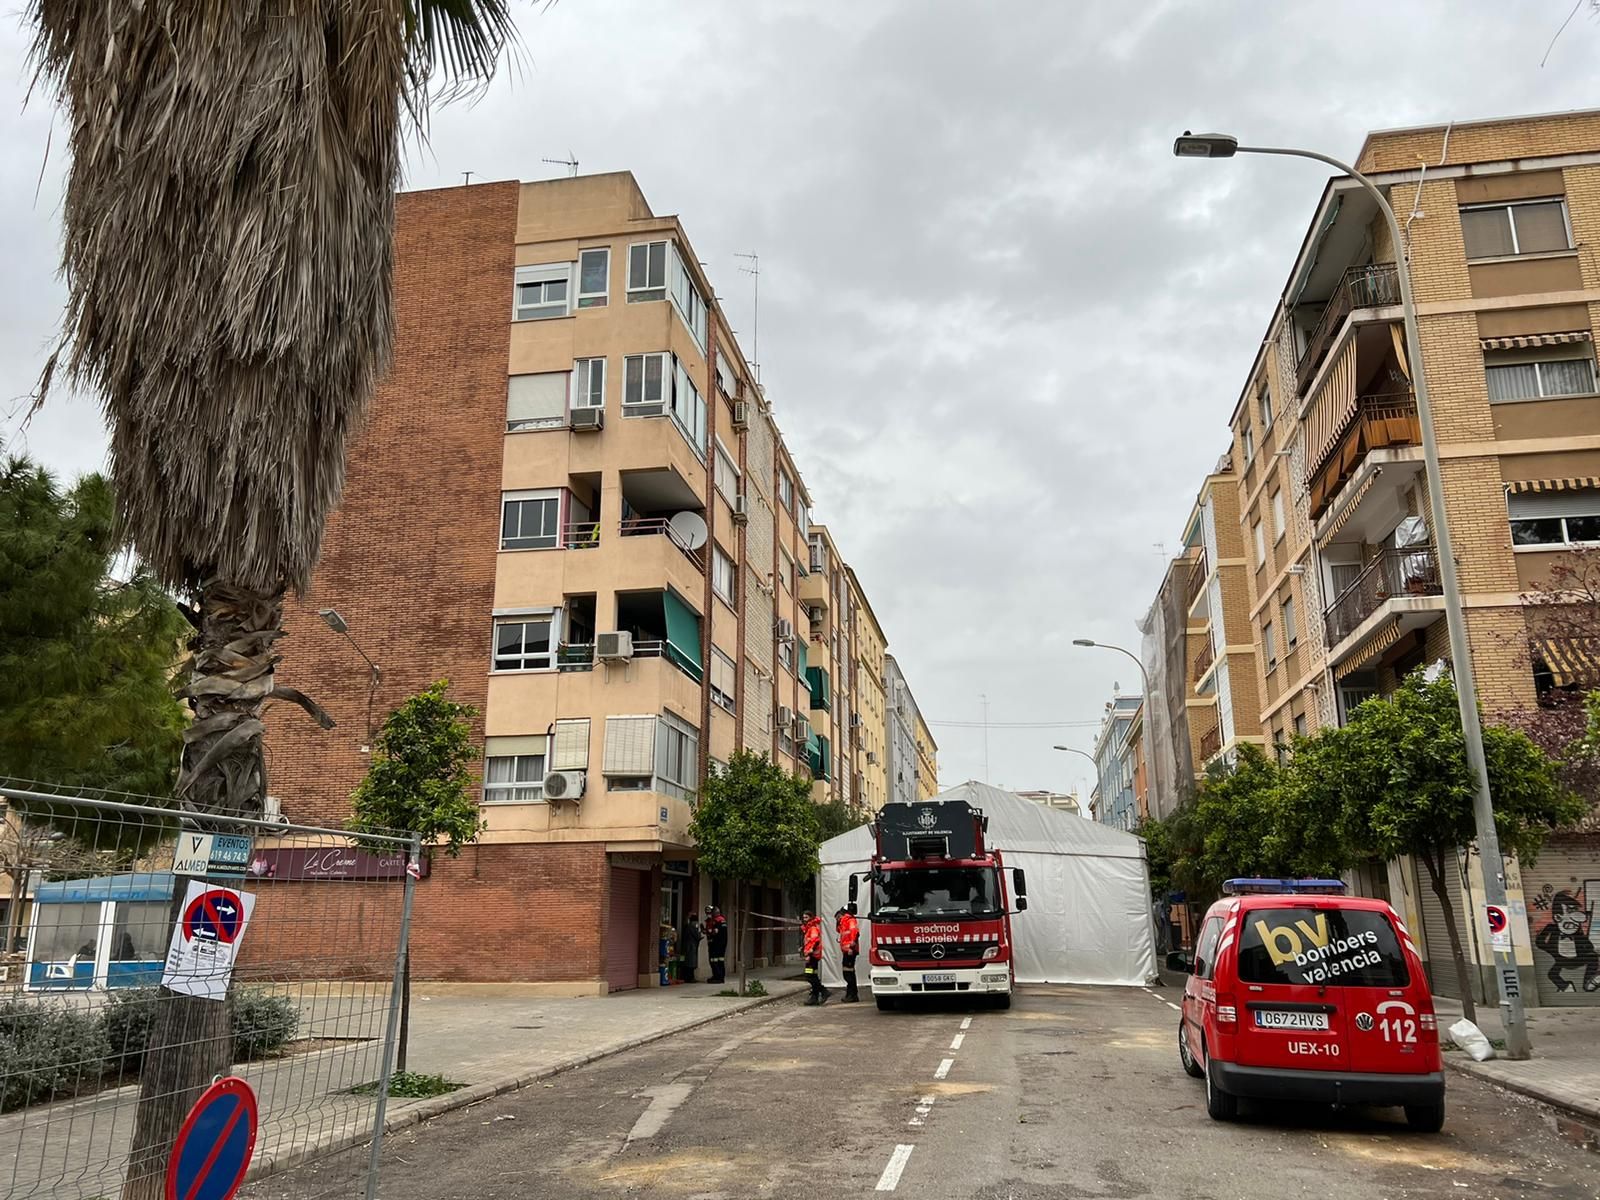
(536, 398)
(630, 745)
(1532, 505)
(570, 751)
(504, 747)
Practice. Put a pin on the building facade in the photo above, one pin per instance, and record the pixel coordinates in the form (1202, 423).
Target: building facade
(572, 500)
(869, 728)
(913, 772)
(1114, 802)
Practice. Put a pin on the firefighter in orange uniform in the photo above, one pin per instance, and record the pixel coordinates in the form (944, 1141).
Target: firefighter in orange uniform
(811, 947)
(849, 945)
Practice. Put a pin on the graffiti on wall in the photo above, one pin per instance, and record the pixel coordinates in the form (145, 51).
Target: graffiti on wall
(1562, 923)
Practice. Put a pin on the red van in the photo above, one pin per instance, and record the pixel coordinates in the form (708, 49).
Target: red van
(1298, 992)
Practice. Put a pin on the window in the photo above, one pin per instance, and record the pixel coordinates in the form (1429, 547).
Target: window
(647, 271)
(589, 383)
(1270, 645)
(723, 676)
(1345, 947)
(727, 474)
(802, 518)
(1205, 950)
(1247, 439)
(1300, 726)
(513, 779)
(1261, 544)
(1264, 405)
(725, 379)
(786, 570)
(541, 292)
(525, 643)
(1291, 635)
(724, 578)
(1352, 696)
(1500, 230)
(594, 275)
(687, 300)
(677, 758)
(1536, 380)
(536, 401)
(530, 521)
(786, 653)
(64, 931)
(140, 931)
(1554, 518)
(688, 409)
(819, 553)
(785, 491)
(644, 385)
(1278, 525)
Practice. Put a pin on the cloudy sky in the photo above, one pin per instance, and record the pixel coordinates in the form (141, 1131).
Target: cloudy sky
(1002, 326)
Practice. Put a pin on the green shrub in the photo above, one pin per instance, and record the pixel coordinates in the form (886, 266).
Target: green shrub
(129, 1016)
(48, 1051)
(263, 1023)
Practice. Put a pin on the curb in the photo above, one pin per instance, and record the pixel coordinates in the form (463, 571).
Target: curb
(1589, 1112)
(416, 1112)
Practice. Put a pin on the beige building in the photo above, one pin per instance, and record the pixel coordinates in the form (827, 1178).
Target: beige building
(869, 736)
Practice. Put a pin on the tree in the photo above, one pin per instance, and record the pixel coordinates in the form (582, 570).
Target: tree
(756, 822)
(420, 782)
(86, 659)
(228, 254)
(1396, 781)
(840, 816)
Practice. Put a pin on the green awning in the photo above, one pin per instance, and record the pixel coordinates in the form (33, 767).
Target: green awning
(817, 680)
(683, 635)
(814, 751)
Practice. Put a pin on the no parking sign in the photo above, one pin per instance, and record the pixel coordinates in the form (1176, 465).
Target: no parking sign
(200, 956)
(212, 1150)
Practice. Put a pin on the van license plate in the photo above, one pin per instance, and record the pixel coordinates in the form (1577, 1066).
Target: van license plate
(1291, 1020)
(939, 977)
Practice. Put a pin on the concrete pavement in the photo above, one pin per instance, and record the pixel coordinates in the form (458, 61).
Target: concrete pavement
(1565, 1068)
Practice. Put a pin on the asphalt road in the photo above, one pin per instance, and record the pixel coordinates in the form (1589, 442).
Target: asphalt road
(1073, 1093)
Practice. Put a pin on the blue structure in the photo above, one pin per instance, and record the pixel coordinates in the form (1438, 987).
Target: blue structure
(1114, 762)
(107, 932)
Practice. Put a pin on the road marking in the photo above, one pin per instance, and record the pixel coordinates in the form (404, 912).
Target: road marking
(890, 1179)
(944, 1068)
(955, 1042)
(664, 1101)
(924, 1105)
(1172, 1006)
(966, 1022)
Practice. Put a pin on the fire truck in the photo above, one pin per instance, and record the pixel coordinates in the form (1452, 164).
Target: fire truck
(939, 906)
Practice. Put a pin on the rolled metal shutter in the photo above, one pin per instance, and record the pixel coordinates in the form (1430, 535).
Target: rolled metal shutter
(1441, 967)
(622, 929)
(1566, 873)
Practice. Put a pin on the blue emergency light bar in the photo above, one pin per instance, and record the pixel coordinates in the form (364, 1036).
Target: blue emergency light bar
(1273, 887)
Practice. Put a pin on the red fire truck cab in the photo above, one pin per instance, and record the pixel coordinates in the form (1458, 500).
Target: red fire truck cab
(939, 911)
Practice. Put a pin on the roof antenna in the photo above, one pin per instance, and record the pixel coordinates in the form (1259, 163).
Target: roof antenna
(570, 162)
(466, 179)
(754, 270)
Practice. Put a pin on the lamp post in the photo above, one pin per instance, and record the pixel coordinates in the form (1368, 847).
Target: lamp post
(1217, 145)
(1081, 754)
(1144, 701)
(339, 625)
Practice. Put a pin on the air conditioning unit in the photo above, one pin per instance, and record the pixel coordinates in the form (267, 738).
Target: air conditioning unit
(613, 647)
(741, 414)
(872, 758)
(785, 629)
(563, 785)
(272, 811)
(588, 418)
(741, 510)
(785, 717)
(802, 727)
(855, 720)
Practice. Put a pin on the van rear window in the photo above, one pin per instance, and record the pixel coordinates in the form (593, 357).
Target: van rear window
(1321, 947)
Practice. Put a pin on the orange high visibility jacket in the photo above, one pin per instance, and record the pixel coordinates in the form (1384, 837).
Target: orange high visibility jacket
(811, 933)
(849, 933)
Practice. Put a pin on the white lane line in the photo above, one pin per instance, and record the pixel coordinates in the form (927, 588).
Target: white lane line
(664, 1101)
(924, 1105)
(1172, 1006)
(966, 1022)
(955, 1042)
(890, 1179)
(944, 1068)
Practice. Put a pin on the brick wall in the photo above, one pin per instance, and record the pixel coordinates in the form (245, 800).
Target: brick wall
(1558, 134)
(409, 556)
(759, 446)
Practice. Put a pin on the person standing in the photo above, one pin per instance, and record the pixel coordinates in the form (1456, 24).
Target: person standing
(811, 947)
(690, 943)
(849, 930)
(716, 931)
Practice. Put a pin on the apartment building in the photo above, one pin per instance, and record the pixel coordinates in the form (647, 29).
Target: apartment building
(1176, 649)
(1500, 223)
(1116, 762)
(913, 767)
(869, 726)
(571, 499)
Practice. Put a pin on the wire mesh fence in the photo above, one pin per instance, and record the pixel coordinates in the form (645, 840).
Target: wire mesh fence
(150, 953)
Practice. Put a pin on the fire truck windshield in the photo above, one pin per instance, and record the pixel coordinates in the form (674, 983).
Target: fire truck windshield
(910, 895)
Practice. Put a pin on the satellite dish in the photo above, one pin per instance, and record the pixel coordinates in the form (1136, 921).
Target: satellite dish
(690, 528)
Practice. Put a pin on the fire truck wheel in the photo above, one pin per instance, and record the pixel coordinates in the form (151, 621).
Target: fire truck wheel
(1190, 1067)
(1001, 1001)
(885, 1003)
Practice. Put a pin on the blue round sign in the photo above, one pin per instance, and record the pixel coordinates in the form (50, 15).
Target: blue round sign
(217, 914)
(212, 1150)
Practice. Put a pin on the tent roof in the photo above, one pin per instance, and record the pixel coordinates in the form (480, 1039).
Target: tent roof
(137, 885)
(1015, 824)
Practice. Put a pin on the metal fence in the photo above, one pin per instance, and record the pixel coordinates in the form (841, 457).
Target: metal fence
(150, 953)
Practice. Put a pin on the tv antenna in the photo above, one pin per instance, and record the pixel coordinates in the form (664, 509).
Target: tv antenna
(754, 271)
(570, 162)
(466, 178)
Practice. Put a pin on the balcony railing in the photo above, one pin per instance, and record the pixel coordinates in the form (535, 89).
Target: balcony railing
(1210, 743)
(1197, 580)
(661, 527)
(1203, 660)
(1411, 571)
(575, 656)
(1378, 422)
(1371, 286)
(581, 535)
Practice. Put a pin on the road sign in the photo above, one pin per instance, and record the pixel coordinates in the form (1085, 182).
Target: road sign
(211, 854)
(1499, 927)
(213, 1148)
(206, 939)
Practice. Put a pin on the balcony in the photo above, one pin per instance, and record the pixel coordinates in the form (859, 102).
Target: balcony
(1210, 744)
(1203, 660)
(580, 535)
(1197, 581)
(1376, 422)
(1393, 575)
(662, 527)
(1374, 286)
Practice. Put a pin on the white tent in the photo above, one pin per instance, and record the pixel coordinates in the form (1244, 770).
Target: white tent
(1088, 918)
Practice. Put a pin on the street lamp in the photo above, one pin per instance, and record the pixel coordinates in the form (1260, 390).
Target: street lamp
(1144, 700)
(1082, 754)
(1221, 145)
(334, 621)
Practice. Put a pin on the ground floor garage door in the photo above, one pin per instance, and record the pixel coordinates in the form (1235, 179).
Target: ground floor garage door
(1563, 891)
(1441, 967)
(622, 929)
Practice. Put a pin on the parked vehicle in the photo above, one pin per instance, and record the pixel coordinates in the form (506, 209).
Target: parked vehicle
(941, 922)
(1298, 992)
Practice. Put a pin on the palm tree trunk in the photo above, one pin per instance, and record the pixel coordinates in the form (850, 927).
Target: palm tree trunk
(1434, 861)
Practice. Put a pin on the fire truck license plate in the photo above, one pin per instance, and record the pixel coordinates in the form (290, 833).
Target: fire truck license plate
(1291, 1020)
(939, 977)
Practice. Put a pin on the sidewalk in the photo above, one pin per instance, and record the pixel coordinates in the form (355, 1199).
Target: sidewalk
(489, 1043)
(1565, 1068)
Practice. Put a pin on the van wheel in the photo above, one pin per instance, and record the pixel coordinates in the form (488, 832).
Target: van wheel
(1190, 1067)
(1425, 1118)
(885, 1003)
(1221, 1105)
